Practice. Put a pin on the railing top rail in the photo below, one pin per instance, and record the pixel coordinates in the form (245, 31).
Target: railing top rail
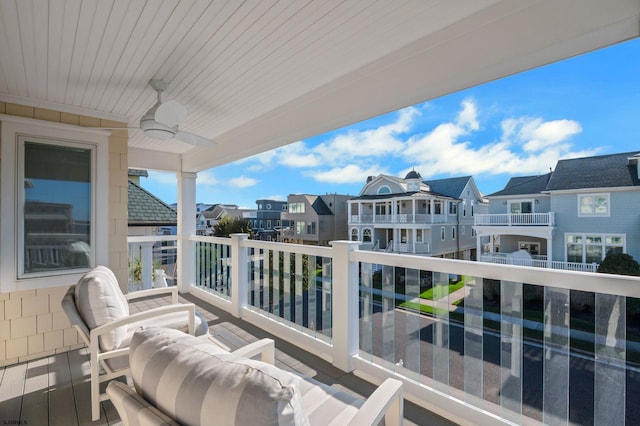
(288, 247)
(152, 238)
(213, 240)
(572, 280)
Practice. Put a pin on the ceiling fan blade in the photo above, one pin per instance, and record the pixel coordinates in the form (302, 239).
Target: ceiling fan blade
(192, 139)
(170, 113)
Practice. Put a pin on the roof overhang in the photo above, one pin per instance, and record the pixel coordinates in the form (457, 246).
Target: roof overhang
(258, 75)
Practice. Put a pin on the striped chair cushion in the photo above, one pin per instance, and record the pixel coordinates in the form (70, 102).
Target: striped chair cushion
(195, 382)
(133, 409)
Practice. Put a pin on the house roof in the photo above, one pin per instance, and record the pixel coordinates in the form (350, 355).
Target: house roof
(254, 76)
(524, 185)
(451, 187)
(145, 209)
(138, 172)
(603, 171)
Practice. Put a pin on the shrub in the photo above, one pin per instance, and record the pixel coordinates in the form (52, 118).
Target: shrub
(621, 264)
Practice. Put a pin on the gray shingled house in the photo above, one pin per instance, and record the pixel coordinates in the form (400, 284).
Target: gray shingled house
(571, 218)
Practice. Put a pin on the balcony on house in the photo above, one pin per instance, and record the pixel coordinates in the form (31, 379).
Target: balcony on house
(515, 219)
(397, 212)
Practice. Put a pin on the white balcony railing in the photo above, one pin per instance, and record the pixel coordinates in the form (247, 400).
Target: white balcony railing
(512, 219)
(476, 342)
(538, 262)
(399, 218)
(152, 261)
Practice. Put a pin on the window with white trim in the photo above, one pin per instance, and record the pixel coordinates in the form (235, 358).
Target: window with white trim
(593, 248)
(55, 209)
(366, 235)
(593, 204)
(354, 234)
(442, 233)
(453, 232)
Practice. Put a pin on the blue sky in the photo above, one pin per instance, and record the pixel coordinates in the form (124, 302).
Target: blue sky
(519, 125)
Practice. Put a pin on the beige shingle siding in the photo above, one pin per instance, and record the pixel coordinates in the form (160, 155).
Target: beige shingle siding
(32, 324)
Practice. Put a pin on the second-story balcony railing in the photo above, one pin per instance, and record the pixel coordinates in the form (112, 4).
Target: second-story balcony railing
(475, 342)
(400, 218)
(537, 262)
(515, 219)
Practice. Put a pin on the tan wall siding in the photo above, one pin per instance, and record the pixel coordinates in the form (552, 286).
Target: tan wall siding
(32, 323)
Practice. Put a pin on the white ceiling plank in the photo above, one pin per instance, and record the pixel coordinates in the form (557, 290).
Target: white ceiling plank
(5, 66)
(119, 30)
(145, 31)
(187, 50)
(84, 29)
(67, 43)
(177, 25)
(41, 20)
(54, 47)
(16, 69)
(83, 66)
(27, 42)
(228, 32)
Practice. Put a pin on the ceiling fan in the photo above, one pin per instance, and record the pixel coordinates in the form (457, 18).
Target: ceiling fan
(162, 120)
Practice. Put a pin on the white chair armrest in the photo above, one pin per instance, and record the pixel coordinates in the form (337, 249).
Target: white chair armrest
(386, 401)
(151, 313)
(154, 292)
(264, 347)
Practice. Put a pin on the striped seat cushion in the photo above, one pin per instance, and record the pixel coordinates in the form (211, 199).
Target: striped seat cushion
(195, 382)
(133, 409)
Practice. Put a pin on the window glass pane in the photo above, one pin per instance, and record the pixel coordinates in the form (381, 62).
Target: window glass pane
(527, 207)
(515, 208)
(594, 253)
(586, 205)
(574, 253)
(601, 205)
(609, 250)
(57, 207)
(613, 239)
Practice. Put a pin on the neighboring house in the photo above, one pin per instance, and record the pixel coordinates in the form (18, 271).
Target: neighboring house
(571, 218)
(268, 220)
(409, 215)
(207, 219)
(149, 216)
(315, 219)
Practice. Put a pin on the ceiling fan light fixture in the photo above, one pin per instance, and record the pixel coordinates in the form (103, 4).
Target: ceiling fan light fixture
(159, 134)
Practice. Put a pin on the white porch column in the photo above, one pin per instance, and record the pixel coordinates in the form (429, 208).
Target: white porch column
(345, 305)
(549, 253)
(186, 228)
(478, 247)
(432, 207)
(413, 210)
(238, 274)
(147, 264)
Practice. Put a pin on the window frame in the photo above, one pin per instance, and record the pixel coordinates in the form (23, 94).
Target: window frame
(584, 243)
(593, 195)
(15, 129)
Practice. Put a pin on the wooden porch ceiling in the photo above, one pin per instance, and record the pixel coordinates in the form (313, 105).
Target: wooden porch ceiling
(256, 75)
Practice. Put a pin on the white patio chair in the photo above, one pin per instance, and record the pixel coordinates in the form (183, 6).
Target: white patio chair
(99, 311)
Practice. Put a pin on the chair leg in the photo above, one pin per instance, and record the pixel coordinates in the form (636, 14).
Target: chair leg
(95, 388)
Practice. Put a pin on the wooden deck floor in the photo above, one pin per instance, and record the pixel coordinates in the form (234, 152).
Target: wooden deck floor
(55, 390)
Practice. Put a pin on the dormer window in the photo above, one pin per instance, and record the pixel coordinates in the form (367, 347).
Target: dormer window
(384, 190)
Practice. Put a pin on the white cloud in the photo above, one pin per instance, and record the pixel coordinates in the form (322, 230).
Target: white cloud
(242, 182)
(163, 177)
(275, 197)
(347, 174)
(550, 133)
(207, 178)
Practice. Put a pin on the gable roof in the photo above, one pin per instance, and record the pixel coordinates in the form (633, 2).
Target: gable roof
(145, 209)
(524, 185)
(319, 206)
(603, 171)
(451, 187)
